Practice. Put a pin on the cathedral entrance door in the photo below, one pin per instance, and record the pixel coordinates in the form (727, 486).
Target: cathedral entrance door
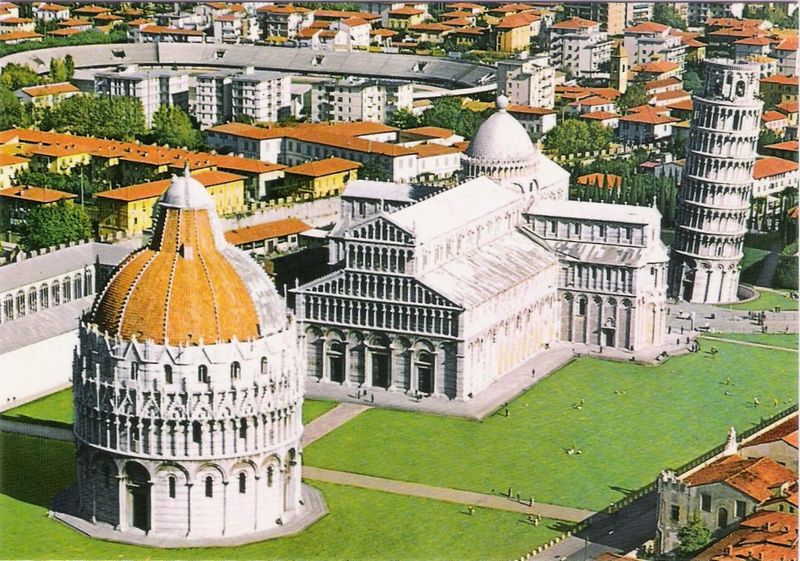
(608, 337)
(380, 369)
(425, 377)
(336, 362)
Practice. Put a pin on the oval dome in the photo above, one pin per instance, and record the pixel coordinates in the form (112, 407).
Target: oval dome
(501, 138)
(188, 285)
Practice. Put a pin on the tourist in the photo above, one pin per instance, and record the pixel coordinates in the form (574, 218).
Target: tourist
(533, 372)
(756, 402)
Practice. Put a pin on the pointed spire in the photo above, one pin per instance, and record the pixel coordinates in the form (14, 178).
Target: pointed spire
(731, 446)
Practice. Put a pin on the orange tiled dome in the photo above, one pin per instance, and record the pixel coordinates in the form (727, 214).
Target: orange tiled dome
(188, 285)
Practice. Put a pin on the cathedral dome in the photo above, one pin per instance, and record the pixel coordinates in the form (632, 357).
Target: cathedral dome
(501, 138)
(188, 285)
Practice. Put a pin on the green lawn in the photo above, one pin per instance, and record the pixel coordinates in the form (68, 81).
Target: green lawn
(54, 407)
(667, 416)
(362, 525)
(315, 408)
(58, 407)
(788, 340)
(767, 300)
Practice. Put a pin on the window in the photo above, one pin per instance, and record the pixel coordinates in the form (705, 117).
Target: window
(705, 502)
(552, 226)
(202, 374)
(77, 286)
(89, 284)
(21, 304)
(582, 307)
(8, 308)
(242, 483)
(172, 484)
(209, 486)
(55, 293)
(741, 509)
(243, 430)
(576, 228)
(66, 290)
(264, 365)
(270, 473)
(134, 371)
(167, 373)
(675, 513)
(236, 370)
(32, 300)
(602, 230)
(197, 432)
(44, 296)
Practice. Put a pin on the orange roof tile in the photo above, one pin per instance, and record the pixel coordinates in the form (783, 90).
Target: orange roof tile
(324, 167)
(755, 41)
(471, 31)
(11, 160)
(599, 115)
(91, 9)
(788, 44)
(152, 189)
(15, 21)
(343, 14)
(788, 145)
(51, 7)
(647, 27)
(36, 194)
(648, 116)
(283, 9)
(683, 105)
(781, 79)
(266, 231)
(766, 535)
(432, 150)
(383, 32)
(517, 20)
(655, 67)
(405, 11)
(74, 22)
(50, 89)
(430, 27)
(787, 107)
(753, 477)
(673, 94)
(574, 23)
(18, 36)
(466, 6)
(602, 180)
(354, 22)
(431, 132)
(592, 101)
(671, 81)
(161, 30)
(66, 32)
(772, 116)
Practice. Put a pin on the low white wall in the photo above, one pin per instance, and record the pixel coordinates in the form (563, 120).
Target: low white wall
(31, 372)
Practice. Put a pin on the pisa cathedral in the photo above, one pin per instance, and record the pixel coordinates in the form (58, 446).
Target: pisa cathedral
(188, 391)
(442, 292)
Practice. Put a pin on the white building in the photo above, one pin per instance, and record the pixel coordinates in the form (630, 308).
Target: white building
(537, 121)
(153, 87)
(651, 41)
(212, 99)
(775, 182)
(188, 392)
(359, 99)
(530, 82)
(579, 46)
(715, 193)
(47, 11)
(261, 95)
(700, 12)
(41, 298)
(442, 292)
(786, 53)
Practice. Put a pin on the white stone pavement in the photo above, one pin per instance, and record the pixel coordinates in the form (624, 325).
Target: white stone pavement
(331, 420)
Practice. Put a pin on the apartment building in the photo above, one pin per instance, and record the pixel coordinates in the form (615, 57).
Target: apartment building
(651, 41)
(358, 99)
(612, 16)
(579, 47)
(527, 82)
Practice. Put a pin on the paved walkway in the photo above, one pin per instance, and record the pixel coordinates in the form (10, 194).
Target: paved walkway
(469, 498)
(718, 319)
(749, 344)
(331, 420)
(31, 429)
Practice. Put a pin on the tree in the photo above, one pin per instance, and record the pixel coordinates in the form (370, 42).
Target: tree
(635, 95)
(767, 137)
(69, 62)
(172, 126)
(576, 136)
(12, 112)
(45, 226)
(16, 76)
(372, 170)
(58, 70)
(692, 81)
(403, 119)
(447, 112)
(693, 537)
(242, 118)
(667, 15)
(103, 116)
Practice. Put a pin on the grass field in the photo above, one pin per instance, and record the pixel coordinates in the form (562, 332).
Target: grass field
(362, 525)
(767, 300)
(58, 407)
(667, 416)
(787, 340)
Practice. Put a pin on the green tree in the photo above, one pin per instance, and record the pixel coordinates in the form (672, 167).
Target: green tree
(635, 95)
(69, 62)
(692, 81)
(12, 112)
(573, 136)
(372, 170)
(447, 112)
(767, 137)
(667, 15)
(103, 116)
(242, 118)
(50, 225)
(58, 70)
(403, 119)
(172, 126)
(16, 76)
(693, 537)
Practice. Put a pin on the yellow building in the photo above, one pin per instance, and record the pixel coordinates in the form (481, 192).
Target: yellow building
(779, 89)
(9, 167)
(513, 33)
(323, 178)
(48, 94)
(405, 17)
(130, 209)
(58, 158)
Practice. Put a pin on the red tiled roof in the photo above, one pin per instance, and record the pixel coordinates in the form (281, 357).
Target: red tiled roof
(787, 107)
(657, 67)
(36, 194)
(530, 110)
(599, 115)
(324, 167)
(683, 105)
(161, 30)
(18, 36)
(788, 44)
(755, 41)
(50, 89)
(648, 115)
(574, 23)
(789, 145)
(753, 477)
(266, 231)
(772, 116)
(781, 79)
(405, 11)
(431, 132)
(517, 20)
(787, 430)
(671, 81)
(764, 535)
(156, 188)
(647, 27)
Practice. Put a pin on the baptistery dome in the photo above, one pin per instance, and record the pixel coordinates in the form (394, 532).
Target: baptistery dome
(188, 266)
(501, 139)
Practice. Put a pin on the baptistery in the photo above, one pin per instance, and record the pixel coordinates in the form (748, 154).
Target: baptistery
(187, 389)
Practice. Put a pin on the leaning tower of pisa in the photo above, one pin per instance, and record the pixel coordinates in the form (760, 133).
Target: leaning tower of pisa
(714, 197)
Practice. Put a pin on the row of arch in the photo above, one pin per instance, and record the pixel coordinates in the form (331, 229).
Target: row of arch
(376, 258)
(380, 230)
(701, 191)
(719, 169)
(723, 145)
(397, 289)
(704, 245)
(722, 221)
(47, 295)
(729, 119)
(598, 277)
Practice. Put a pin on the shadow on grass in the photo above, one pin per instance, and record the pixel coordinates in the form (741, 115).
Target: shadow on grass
(34, 469)
(36, 421)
